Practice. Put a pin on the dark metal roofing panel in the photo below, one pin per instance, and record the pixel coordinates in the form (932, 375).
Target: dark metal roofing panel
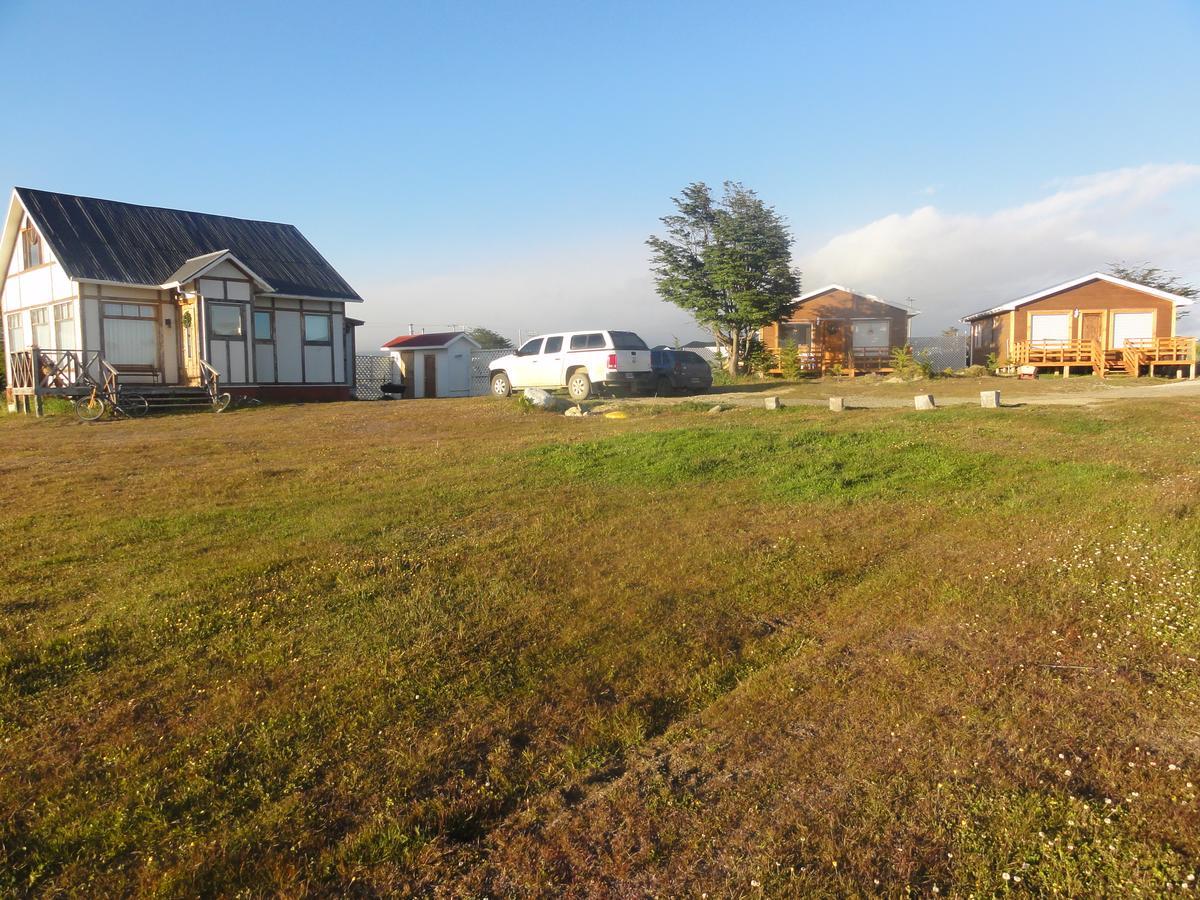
(104, 240)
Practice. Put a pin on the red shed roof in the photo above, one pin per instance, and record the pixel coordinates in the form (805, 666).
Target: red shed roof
(420, 341)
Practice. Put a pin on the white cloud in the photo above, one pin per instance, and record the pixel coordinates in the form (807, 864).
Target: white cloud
(949, 263)
(953, 264)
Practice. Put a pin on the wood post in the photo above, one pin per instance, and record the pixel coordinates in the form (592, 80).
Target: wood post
(989, 399)
(924, 401)
(837, 404)
(772, 403)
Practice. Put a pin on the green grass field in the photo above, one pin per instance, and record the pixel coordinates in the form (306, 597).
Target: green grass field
(454, 647)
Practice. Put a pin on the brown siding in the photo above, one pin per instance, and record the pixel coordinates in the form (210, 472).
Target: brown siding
(1095, 296)
(1102, 297)
(844, 306)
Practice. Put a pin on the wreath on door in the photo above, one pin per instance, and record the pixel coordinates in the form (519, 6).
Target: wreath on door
(186, 318)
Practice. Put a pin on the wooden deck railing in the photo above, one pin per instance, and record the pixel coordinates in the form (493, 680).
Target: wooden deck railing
(1152, 352)
(1061, 354)
(38, 371)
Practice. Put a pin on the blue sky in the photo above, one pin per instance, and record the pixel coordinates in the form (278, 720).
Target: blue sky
(502, 164)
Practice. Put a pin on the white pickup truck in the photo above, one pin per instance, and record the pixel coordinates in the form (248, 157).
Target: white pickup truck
(580, 361)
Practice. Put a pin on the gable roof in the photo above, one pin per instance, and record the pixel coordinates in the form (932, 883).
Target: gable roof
(433, 341)
(123, 243)
(837, 287)
(197, 266)
(1074, 283)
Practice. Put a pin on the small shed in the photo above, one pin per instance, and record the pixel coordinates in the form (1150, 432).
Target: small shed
(434, 365)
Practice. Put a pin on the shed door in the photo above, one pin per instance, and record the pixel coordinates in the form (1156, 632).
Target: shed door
(1050, 327)
(431, 375)
(871, 333)
(1132, 326)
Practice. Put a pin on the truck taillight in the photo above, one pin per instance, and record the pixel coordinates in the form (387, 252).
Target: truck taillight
(612, 360)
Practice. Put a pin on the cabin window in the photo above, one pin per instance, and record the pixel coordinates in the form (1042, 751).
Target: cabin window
(317, 329)
(129, 311)
(64, 325)
(1131, 326)
(264, 331)
(798, 333)
(1050, 327)
(871, 333)
(31, 247)
(553, 344)
(225, 321)
(40, 320)
(16, 334)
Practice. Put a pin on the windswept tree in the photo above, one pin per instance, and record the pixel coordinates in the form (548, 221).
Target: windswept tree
(728, 263)
(489, 340)
(1151, 276)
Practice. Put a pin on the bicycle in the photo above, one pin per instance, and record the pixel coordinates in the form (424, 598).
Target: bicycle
(93, 405)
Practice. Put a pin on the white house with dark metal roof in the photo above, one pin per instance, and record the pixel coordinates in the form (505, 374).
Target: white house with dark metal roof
(98, 290)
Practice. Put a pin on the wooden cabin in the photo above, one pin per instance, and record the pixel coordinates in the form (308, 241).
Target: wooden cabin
(1096, 324)
(97, 291)
(836, 329)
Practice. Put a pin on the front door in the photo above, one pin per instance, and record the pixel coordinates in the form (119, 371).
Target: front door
(189, 343)
(431, 375)
(1091, 327)
(833, 338)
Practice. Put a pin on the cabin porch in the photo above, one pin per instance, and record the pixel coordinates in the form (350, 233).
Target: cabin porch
(1137, 357)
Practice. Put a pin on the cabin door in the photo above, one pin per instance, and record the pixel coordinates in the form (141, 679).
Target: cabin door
(833, 336)
(1091, 327)
(189, 343)
(431, 375)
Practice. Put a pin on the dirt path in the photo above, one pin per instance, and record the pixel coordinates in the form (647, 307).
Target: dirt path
(1012, 393)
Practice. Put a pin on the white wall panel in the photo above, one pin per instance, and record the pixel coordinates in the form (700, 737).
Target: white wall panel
(288, 345)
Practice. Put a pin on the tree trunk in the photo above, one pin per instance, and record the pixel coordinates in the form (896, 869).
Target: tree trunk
(731, 364)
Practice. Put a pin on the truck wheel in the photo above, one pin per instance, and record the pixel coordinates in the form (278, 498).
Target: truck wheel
(501, 386)
(579, 386)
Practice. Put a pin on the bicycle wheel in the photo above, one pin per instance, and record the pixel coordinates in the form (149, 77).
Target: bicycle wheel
(222, 402)
(134, 405)
(89, 408)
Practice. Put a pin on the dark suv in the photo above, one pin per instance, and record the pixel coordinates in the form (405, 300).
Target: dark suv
(679, 370)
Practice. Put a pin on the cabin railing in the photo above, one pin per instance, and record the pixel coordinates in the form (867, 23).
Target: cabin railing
(1075, 352)
(37, 371)
(210, 380)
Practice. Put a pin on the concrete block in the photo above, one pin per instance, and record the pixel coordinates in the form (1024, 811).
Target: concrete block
(924, 401)
(989, 399)
(837, 404)
(772, 403)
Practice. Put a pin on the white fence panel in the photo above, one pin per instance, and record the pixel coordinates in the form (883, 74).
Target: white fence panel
(481, 377)
(371, 371)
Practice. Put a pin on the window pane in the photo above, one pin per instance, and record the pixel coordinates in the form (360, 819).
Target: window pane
(262, 326)
(112, 309)
(226, 321)
(147, 312)
(626, 340)
(597, 342)
(316, 329)
(529, 348)
(553, 344)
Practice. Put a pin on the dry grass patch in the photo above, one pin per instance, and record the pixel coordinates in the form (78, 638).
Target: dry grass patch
(443, 646)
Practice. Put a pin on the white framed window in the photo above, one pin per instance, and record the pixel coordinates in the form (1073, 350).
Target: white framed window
(1050, 327)
(871, 333)
(43, 334)
(129, 311)
(1131, 326)
(31, 247)
(225, 321)
(64, 325)
(15, 333)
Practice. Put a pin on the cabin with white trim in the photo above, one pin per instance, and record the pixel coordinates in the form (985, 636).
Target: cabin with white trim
(1097, 324)
(169, 301)
(836, 329)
